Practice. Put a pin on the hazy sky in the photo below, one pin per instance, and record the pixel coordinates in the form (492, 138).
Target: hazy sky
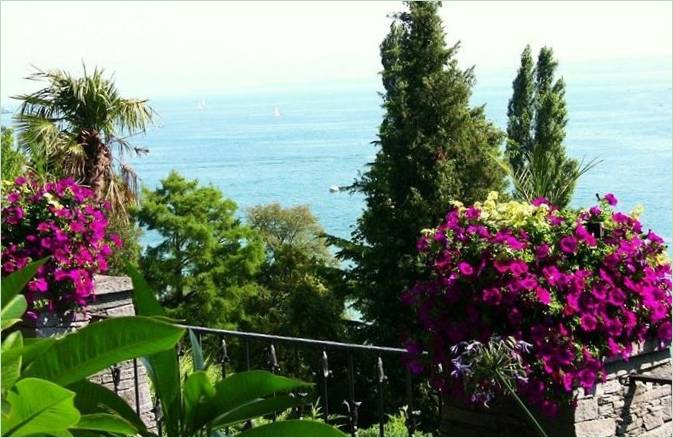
(183, 48)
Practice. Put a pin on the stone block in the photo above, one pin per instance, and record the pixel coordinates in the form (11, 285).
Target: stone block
(612, 386)
(652, 420)
(605, 410)
(666, 408)
(604, 427)
(587, 409)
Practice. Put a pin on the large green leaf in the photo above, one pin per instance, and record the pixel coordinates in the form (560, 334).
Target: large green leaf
(100, 345)
(12, 311)
(39, 407)
(255, 409)
(162, 368)
(293, 428)
(16, 281)
(197, 353)
(92, 398)
(105, 423)
(242, 388)
(33, 347)
(197, 390)
(11, 360)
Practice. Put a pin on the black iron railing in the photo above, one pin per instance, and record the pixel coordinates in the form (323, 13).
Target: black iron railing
(325, 351)
(329, 354)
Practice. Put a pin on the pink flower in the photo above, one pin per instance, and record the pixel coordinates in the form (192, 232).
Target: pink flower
(588, 322)
(568, 245)
(543, 295)
(542, 251)
(466, 269)
(38, 285)
(587, 378)
(518, 268)
(539, 201)
(664, 333)
(492, 296)
(611, 199)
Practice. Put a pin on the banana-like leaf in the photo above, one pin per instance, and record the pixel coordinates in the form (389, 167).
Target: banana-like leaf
(105, 423)
(12, 311)
(33, 347)
(197, 352)
(92, 398)
(39, 407)
(162, 368)
(100, 345)
(242, 388)
(293, 428)
(197, 391)
(255, 409)
(14, 283)
(11, 360)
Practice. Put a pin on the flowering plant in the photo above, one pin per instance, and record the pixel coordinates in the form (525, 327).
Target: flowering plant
(61, 220)
(580, 286)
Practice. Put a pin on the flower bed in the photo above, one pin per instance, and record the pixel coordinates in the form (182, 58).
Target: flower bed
(61, 220)
(580, 286)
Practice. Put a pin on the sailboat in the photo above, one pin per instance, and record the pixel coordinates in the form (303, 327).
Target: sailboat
(201, 106)
(276, 112)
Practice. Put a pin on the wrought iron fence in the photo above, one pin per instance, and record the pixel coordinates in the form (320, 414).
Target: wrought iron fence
(329, 358)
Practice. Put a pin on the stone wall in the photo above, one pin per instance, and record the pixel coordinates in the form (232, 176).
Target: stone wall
(113, 299)
(614, 408)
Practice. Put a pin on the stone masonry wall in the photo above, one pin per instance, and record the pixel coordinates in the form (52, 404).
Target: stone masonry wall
(634, 409)
(612, 409)
(113, 299)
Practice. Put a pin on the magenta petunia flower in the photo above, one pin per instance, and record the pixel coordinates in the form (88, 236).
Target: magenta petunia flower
(610, 199)
(466, 269)
(568, 244)
(588, 322)
(492, 296)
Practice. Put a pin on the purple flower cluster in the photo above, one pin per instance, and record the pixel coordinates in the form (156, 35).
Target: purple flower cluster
(580, 286)
(61, 220)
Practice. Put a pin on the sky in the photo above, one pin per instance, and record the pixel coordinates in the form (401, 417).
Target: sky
(194, 48)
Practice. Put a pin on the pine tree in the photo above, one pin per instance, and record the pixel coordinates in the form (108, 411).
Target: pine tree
(434, 148)
(537, 118)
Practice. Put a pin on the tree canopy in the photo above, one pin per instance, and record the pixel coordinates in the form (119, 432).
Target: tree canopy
(205, 258)
(537, 118)
(79, 127)
(434, 147)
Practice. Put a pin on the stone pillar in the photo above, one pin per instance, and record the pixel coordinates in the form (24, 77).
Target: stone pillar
(612, 409)
(113, 299)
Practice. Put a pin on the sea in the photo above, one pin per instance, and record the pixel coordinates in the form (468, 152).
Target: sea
(297, 145)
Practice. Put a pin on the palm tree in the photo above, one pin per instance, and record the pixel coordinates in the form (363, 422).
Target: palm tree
(72, 126)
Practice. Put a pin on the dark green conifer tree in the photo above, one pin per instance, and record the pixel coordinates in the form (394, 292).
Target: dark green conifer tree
(537, 118)
(433, 148)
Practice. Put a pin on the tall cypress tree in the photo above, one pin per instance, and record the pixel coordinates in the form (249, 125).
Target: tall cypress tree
(537, 119)
(434, 148)
(521, 112)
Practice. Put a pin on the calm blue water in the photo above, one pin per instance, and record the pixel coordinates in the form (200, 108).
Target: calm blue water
(619, 112)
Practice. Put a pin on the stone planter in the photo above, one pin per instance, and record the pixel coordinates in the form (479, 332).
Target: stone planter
(613, 409)
(113, 299)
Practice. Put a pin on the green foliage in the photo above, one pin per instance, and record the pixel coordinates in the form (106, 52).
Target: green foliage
(295, 227)
(296, 297)
(12, 160)
(34, 371)
(39, 407)
(206, 259)
(72, 127)
(434, 148)
(199, 406)
(129, 232)
(395, 425)
(537, 119)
